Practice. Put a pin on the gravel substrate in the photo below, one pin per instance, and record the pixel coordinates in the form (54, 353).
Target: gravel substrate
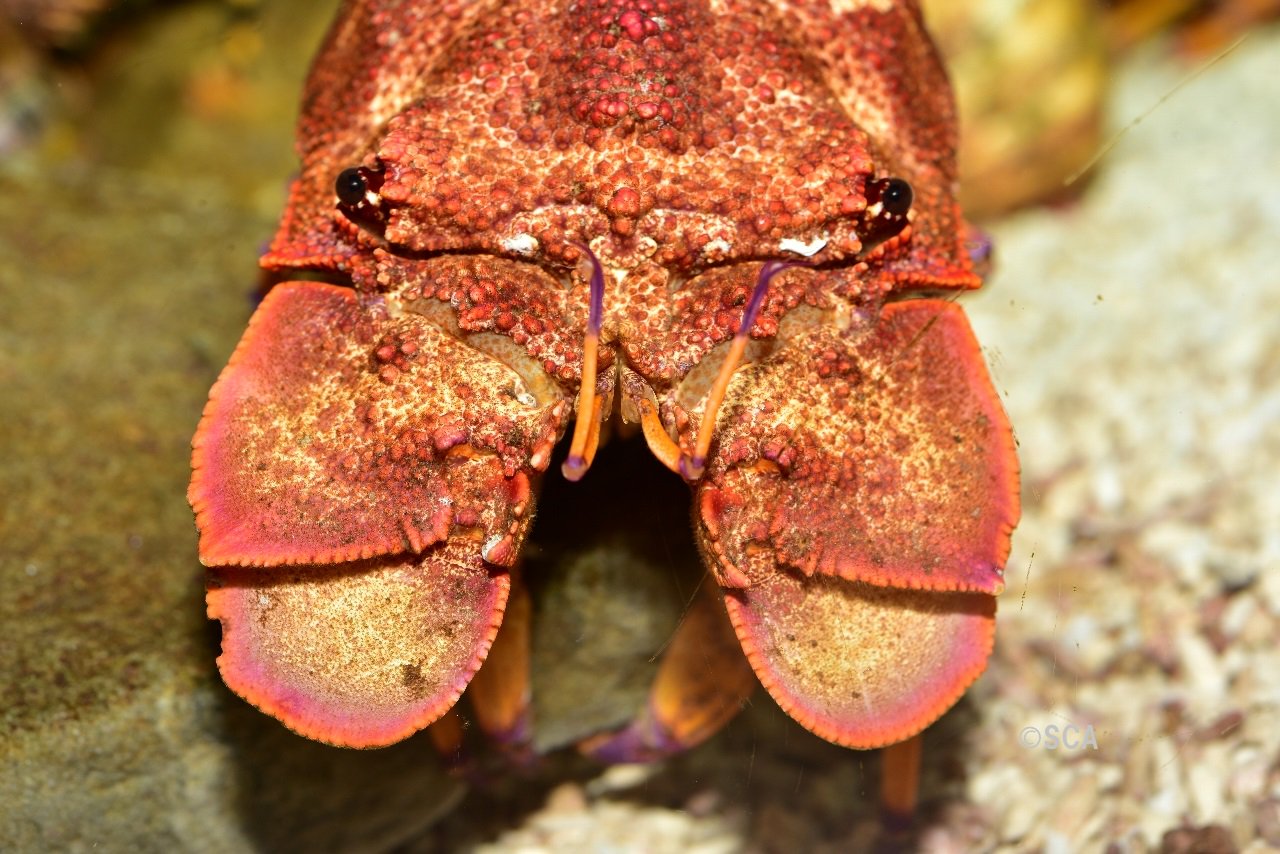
(1135, 337)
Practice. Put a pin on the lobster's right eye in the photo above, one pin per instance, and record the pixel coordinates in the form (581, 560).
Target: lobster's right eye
(351, 186)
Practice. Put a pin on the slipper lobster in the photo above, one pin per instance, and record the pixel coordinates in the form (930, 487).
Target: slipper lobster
(728, 228)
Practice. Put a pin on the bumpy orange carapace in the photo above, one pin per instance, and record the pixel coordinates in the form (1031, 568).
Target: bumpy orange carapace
(732, 224)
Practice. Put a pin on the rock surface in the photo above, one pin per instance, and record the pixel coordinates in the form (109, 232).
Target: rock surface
(124, 288)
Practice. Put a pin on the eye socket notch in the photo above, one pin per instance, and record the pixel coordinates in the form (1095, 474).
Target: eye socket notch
(888, 204)
(357, 189)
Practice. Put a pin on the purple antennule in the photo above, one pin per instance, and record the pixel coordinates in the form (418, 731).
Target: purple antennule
(574, 467)
(692, 467)
(767, 272)
(595, 314)
(586, 432)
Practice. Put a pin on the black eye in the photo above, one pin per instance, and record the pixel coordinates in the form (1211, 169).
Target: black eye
(896, 195)
(888, 203)
(350, 186)
(359, 201)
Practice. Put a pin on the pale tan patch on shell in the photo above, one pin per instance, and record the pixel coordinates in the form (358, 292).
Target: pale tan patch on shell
(859, 665)
(363, 654)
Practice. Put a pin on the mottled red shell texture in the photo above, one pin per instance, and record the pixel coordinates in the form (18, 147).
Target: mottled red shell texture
(367, 467)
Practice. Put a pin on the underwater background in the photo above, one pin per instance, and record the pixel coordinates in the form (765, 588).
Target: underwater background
(1132, 324)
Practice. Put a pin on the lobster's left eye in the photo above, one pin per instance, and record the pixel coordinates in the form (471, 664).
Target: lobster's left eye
(357, 191)
(350, 186)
